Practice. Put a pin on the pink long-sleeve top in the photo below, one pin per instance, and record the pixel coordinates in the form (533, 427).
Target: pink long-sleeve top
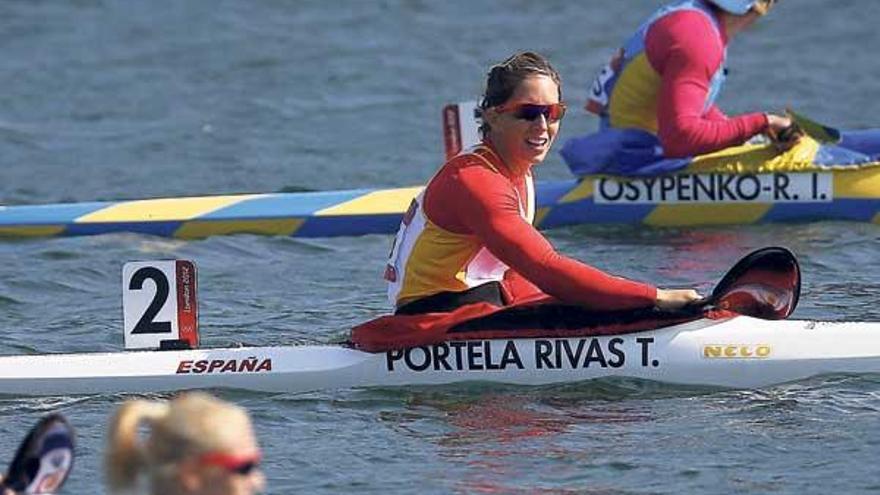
(686, 50)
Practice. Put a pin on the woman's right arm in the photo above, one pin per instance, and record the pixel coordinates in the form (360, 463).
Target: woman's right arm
(489, 209)
(685, 49)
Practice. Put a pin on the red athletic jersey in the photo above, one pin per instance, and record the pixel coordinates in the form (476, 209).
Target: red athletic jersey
(685, 49)
(478, 200)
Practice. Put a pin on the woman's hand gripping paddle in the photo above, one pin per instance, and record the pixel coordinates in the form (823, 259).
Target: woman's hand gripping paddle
(787, 138)
(765, 284)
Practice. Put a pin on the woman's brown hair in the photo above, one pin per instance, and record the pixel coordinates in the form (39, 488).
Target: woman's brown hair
(504, 78)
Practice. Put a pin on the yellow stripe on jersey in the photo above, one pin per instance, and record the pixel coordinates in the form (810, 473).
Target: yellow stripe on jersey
(431, 259)
(434, 256)
(633, 102)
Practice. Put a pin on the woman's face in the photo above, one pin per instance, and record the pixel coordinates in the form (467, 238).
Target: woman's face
(233, 470)
(522, 142)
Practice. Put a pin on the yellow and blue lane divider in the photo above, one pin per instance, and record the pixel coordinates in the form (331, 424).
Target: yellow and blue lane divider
(738, 198)
(309, 214)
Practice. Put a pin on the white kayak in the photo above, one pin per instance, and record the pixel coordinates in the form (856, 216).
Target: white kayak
(738, 352)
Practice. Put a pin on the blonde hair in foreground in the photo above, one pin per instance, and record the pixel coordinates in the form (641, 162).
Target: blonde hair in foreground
(188, 426)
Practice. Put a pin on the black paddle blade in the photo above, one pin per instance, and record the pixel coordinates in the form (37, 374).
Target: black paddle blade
(43, 459)
(821, 133)
(765, 284)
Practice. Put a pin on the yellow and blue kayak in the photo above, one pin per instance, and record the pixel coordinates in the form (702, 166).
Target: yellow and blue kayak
(741, 185)
(694, 197)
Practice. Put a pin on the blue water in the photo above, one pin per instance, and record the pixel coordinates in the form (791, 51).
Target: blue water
(127, 99)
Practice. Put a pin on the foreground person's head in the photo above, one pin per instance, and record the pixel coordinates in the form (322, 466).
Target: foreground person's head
(521, 109)
(195, 444)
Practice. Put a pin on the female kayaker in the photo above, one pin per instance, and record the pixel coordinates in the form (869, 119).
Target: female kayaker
(197, 445)
(665, 79)
(468, 238)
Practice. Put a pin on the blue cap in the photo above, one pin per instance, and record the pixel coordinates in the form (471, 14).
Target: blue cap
(738, 7)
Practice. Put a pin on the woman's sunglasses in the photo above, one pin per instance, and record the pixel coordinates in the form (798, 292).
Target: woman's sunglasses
(528, 111)
(242, 465)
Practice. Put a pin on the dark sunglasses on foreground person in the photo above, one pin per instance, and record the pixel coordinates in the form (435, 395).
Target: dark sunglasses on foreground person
(194, 443)
(43, 460)
(529, 111)
(242, 465)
